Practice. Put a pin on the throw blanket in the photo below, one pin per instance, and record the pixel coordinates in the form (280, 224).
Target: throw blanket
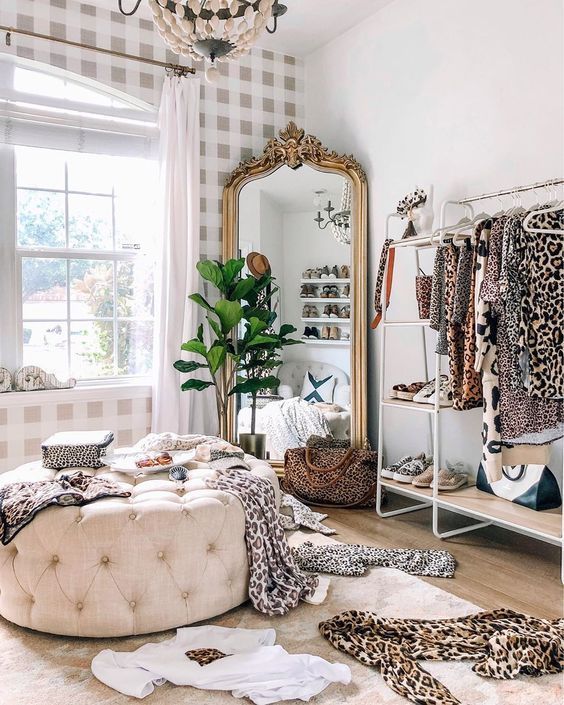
(302, 515)
(20, 501)
(172, 441)
(353, 559)
(276, 584)
(503, 644)
(290, 422)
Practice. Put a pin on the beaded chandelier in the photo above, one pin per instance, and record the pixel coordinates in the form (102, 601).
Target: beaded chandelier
(212, 30)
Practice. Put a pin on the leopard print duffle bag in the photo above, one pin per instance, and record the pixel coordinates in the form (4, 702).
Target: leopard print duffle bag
(76, 449)
(331, 477)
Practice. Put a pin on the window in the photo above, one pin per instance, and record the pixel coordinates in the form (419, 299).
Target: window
(80, 230)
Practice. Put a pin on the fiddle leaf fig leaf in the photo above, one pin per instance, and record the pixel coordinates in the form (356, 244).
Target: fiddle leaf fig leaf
(254, 385)
(195, 346)
(231, 269)
(255, 326)
(199, 299)
(198, 384)
(214, 325)
(210, 270)
(229, 313)
(243, 288)
(200, 333)
(188, 365)
(216, 358)
(286, 329)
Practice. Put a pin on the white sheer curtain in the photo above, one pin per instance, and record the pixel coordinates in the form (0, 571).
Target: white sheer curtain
(176, 318)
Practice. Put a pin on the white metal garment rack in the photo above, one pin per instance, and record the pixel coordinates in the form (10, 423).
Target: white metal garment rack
(486, 509)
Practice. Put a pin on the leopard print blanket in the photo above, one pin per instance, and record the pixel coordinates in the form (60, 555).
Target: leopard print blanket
(20, 501)
(503, 643)
(276, 584)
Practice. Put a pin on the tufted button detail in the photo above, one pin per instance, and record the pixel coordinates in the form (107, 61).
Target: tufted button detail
(78, 520)
(185, 512)
(133, 516)
(79, 605)
(210, 547)
(132, 604)
(32, 599)
(184, 595)
(105, 559)
(160, 554)
(55, 559)
(230, 583)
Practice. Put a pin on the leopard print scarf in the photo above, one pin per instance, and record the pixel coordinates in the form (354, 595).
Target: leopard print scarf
(503, 643)
(276, 584)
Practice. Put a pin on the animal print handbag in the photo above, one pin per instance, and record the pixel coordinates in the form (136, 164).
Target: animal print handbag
(334, 477)
(76, 449)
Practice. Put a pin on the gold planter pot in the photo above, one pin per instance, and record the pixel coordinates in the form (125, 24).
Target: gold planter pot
(254, 444)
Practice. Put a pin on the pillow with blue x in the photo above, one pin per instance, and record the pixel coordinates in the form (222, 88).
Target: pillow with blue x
(318, 390)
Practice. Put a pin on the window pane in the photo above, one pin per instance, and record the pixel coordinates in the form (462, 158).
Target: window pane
(44, 288)
(135, 205)
(90, 222)
(41, 219)
(135, 347)
(92, 173)
(45, 344)
(135, 289)
(40, 168)
(92, 349)
(92, 288)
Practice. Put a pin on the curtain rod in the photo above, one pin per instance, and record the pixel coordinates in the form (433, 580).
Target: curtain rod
(509, 191)
(174, 68)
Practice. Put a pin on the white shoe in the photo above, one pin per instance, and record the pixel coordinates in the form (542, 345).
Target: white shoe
(389, 471)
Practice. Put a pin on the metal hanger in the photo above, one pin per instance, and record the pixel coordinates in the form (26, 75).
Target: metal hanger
(553, 206)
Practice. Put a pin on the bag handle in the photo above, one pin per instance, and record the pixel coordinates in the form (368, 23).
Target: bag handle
(389, 280)
(344, 461)
(520, 474)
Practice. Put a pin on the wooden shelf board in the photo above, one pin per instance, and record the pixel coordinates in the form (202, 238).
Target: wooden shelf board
(325, 281)
(413, 405)
(478, 503)
(328, 321)
(475, 501)
(324, 301)
(310, 341)
(419, 322)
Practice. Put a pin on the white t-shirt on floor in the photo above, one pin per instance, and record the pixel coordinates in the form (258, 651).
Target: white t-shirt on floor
(255, 667)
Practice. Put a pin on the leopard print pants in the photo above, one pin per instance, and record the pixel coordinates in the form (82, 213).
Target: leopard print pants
(503, 643)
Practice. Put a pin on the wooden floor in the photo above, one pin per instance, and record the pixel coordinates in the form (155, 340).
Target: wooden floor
(495, 567)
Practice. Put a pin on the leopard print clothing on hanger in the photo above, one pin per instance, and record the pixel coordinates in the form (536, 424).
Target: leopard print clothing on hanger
(516, 416)
(437, 312)
(541, 328)
(503, 643)
(466, 383)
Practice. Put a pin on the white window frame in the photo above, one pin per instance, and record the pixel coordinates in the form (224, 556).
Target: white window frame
(11, 254)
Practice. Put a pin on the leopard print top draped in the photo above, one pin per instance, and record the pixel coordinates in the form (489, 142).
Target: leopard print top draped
(503, 643)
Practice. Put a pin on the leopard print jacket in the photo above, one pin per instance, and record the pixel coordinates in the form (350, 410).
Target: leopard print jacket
(504, 644)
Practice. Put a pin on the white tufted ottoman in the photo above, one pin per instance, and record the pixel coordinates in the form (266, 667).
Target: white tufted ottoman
(163, 558)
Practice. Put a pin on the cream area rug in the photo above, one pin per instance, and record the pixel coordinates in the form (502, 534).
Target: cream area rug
(39, 669)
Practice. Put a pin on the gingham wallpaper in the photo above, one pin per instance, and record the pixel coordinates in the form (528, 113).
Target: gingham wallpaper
(255, 98)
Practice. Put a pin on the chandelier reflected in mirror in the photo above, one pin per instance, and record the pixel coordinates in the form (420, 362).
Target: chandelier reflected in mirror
(212, 30)
(340, 222)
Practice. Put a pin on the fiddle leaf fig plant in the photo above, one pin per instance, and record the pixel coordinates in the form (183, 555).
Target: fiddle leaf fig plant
(241, 342)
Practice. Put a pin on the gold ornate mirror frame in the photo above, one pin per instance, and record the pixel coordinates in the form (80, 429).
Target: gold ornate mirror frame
(294, 148)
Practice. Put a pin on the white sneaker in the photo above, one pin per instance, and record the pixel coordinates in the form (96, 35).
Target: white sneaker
(391, 469)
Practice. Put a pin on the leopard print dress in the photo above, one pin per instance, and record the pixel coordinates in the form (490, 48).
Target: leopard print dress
(503, 644)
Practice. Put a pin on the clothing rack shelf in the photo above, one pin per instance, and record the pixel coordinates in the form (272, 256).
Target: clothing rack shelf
(484, 508)
(325, 281)
(334, 321)
(324, 301)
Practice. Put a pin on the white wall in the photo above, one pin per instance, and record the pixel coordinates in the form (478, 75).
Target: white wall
(466, 96)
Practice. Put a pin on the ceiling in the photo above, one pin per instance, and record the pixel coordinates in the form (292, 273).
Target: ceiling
(293, 191)
(308, 24)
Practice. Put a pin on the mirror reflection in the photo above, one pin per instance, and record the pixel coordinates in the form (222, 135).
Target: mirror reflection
(301, 221)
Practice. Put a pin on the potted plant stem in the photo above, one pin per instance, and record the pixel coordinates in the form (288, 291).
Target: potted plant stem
(242, 340)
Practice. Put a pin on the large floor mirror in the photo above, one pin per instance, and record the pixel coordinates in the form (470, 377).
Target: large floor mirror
(303, 208)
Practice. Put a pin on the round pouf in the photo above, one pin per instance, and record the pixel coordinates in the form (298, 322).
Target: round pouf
(165, 557)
